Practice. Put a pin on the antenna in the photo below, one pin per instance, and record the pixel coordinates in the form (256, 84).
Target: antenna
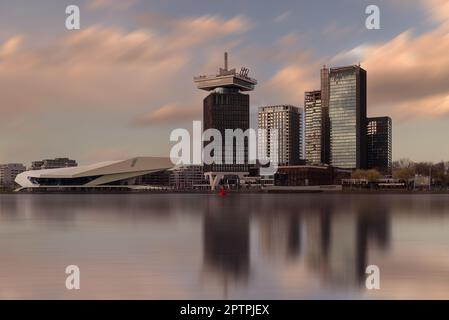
(226, 61)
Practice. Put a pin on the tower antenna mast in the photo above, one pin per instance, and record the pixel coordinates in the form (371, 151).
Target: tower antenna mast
(226, 61)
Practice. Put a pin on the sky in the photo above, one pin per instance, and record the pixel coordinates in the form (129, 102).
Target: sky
(117, 87)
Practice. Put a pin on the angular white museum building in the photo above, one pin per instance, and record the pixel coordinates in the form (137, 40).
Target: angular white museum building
(109, 175)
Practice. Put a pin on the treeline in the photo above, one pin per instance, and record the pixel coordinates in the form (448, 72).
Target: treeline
(407, 169)
(370, 175)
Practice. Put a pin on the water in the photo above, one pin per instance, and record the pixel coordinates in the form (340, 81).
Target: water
(242, 246)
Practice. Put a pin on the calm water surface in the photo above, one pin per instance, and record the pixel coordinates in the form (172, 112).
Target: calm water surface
(242, 246)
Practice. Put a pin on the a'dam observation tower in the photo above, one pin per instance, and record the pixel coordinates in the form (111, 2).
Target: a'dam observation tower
(227, 107)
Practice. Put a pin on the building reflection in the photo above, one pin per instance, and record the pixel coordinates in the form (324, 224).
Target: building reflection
(329, 241)
(226, 242)
(317, 240)
(338, 243)
(280, 235)
(332, 238)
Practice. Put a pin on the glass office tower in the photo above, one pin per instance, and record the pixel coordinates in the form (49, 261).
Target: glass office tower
(347, 117)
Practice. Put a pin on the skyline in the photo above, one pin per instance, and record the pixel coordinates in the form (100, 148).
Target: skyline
(124, 80)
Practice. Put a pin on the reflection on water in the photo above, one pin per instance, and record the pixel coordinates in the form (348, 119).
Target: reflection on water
(251, 246)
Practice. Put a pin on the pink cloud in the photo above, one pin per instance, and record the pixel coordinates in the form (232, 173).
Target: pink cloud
(290, 83)
(439, 9)
(10, 46)
(407, 75)
(283, 17)
(299, 73)
(104, 67)
(110, 4)
(168, 113)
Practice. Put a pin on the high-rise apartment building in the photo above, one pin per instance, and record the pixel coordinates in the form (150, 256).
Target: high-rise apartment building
(313, 126)
(347, 117)
(226, 107)
(379, 140)
(287, 120)
(8, 173)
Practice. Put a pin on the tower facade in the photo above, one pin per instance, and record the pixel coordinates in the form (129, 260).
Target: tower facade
(347, 117)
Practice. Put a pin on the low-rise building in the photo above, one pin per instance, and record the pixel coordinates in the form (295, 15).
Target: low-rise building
(122, 175)
(53, 164)
(309, 175)
(188, 177)
(8, 173)
(155, 179)
(378, 184)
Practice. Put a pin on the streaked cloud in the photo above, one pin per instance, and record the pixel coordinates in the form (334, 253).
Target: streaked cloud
(289, 39)
(407, 75)
(103, 67)
(439, 9)
(110, 4)
(336, 31)
(288, 85)
(282, 17)
(135, 66)
(109, 153)
(10, 46)
(168, 113)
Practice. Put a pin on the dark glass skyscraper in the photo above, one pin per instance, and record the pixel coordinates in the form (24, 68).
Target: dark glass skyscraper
(347, 117)
(379, 136)
(227, 108)
(325, 124)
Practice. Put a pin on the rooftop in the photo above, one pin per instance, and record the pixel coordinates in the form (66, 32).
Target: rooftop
(226, 79)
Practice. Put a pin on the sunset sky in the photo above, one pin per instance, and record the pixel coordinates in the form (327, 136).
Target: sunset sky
(119, 85)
